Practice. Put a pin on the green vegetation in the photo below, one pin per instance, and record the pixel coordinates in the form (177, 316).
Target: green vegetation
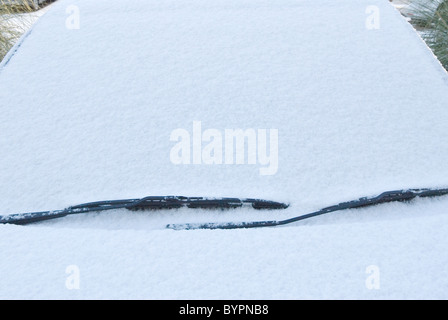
(430, 18)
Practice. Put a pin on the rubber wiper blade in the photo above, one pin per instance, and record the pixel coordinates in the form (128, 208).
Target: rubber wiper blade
(170, 202)
(147, 203)
(385, 197)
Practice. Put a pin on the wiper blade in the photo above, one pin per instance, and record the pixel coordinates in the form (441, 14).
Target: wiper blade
(385, 197)
(147, 203)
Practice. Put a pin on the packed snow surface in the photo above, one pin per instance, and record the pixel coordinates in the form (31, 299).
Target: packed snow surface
(89, 111)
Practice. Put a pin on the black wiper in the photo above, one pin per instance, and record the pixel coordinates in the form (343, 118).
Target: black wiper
(385, 197)
(147, 203)
(173, 202)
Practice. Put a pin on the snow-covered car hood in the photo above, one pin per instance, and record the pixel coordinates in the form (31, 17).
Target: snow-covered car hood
(107, 109)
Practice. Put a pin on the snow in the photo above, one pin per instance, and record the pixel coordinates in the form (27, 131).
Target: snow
(87, 115)
(325, 259)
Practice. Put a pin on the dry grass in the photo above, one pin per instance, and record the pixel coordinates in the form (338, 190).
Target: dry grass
(14, 21)
(430, 17)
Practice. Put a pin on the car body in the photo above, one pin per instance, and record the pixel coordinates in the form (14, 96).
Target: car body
(335, 101)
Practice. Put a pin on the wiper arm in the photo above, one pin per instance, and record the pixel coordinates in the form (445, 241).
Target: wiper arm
(147, 203)
(385, 197)
(173, 202)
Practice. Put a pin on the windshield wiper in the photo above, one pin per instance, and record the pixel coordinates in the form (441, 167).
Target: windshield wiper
(385, 197)
(147, 203)
(173, 202)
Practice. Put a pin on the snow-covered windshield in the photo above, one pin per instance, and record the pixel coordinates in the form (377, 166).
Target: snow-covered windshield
(299, 102)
